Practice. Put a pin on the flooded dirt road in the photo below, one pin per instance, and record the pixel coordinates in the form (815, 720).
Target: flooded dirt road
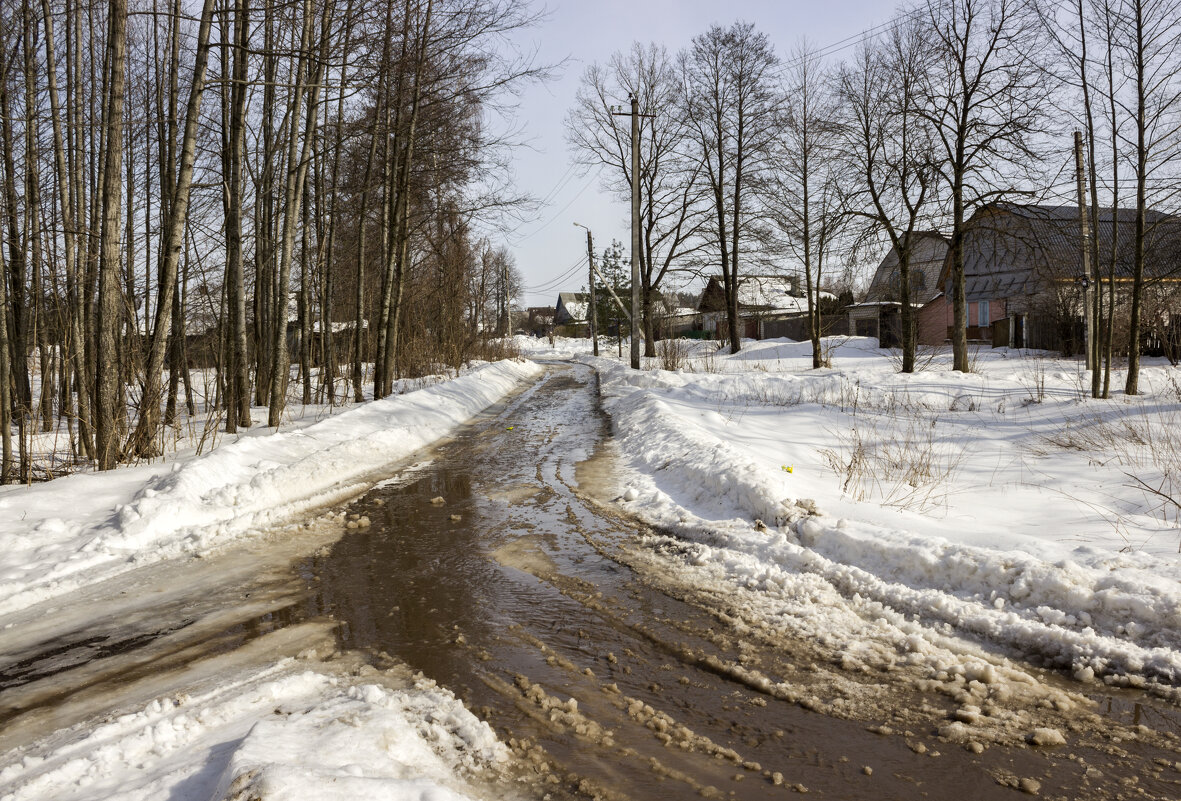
(499, 567)
(496, 571)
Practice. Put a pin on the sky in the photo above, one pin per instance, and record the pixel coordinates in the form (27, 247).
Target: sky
(582, 32)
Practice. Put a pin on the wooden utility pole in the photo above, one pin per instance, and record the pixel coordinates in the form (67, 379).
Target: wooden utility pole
(1088, 282)
(592, 308)
(635, 329)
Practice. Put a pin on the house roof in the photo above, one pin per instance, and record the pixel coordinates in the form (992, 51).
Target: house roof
(571, 307)
(1012, 250)
(758, 293)
(928, 253)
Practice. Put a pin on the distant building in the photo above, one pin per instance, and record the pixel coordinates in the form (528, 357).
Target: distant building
(570, 313)
(768, 306)
(1023, 275)
(539, 320)
(880, 313)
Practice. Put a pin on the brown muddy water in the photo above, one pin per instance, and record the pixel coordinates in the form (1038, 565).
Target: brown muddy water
(500, 569)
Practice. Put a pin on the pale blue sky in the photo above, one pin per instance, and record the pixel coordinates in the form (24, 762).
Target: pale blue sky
(584, 32)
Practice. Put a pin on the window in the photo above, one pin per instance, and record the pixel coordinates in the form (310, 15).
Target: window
(982, 309)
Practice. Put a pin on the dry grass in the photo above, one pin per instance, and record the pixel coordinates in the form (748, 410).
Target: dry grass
(672, 354)
(906, 468)
(1143, 441)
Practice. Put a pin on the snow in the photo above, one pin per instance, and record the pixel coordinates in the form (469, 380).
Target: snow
(296, 729)
(940, 526)
(84, 528)
(962, 535)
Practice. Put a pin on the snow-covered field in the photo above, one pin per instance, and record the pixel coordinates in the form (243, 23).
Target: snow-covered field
(942, 521)
(274, 721)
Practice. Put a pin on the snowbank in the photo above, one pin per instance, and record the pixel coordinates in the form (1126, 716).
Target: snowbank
(742, 461)
(113, 522)
(283, 731)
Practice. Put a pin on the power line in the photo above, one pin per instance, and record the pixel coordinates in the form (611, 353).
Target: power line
(555, 282)
(559, 213)
(849, 41)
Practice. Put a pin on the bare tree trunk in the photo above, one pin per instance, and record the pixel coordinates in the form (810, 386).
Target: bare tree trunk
(305, 297)
(1132, 385)
(108, 392)
(144, 441)
(238, 384)
(5, 380)
(297, 167)
(330, 360)
(72, 341)
(266, 306)
(1109, 334)
(360, 334)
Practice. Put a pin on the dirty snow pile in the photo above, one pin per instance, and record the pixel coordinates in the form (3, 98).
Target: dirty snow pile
(942, 520)
(281, 732)
(84, 528)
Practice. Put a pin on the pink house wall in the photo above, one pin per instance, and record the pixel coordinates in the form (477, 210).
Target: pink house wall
(937, 317)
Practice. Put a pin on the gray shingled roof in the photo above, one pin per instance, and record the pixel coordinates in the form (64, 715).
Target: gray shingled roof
(1012, 250)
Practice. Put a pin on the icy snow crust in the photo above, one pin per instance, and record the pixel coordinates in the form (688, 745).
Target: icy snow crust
(114, 522)
(1028, 551)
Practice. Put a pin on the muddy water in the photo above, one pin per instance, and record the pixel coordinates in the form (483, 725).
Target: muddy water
(493, 572)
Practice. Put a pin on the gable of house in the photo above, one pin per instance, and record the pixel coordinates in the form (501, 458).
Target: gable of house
(928, 253)
(571, 308)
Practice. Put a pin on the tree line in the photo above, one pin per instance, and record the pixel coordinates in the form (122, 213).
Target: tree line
(750, 158)
(269, 190)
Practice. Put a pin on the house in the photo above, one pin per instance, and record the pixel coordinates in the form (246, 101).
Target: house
(539, 320)
(1023, 274)
(879, 314)
(768, 306)
(571, 313)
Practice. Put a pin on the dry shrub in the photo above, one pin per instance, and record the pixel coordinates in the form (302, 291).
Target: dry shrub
(672, 354)
(908, 469)
(924, 355)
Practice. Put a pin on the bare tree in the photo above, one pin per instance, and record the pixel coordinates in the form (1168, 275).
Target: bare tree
(670, 186)
(984, 95)
(145, 442)
(1151, 32)
(809, 203)
(889, 146)
(730, 99)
